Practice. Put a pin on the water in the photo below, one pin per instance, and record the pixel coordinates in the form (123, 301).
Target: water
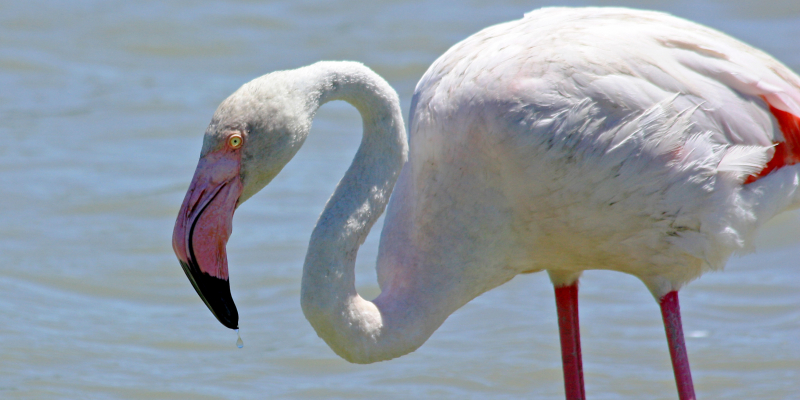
(102, 109)
(239, 341)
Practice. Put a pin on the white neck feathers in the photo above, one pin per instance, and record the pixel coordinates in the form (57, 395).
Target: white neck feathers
(354, 328)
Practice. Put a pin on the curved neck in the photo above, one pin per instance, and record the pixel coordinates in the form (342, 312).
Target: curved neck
(354, 328)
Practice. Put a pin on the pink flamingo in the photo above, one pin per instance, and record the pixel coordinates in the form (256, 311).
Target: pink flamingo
(569, 140)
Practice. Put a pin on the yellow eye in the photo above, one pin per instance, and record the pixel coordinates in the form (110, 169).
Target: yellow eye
(235, 141)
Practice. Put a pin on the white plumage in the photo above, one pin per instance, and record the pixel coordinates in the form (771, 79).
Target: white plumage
(618, 139)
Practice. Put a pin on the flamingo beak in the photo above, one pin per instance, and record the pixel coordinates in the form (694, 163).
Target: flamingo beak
(203, 228)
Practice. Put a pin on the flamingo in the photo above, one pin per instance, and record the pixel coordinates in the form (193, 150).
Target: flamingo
(572, 139)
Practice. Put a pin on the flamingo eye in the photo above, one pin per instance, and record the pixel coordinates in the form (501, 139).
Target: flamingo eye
(235, 141)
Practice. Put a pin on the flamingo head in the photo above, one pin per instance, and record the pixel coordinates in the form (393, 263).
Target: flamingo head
(252, 135)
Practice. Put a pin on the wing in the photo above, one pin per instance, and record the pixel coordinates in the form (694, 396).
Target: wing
(741, 104)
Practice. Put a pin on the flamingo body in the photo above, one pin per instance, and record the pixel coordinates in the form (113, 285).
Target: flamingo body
(593, 139)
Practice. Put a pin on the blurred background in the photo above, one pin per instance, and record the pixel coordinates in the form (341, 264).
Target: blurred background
(102, 109)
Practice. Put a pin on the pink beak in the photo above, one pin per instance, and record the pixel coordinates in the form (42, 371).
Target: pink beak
(203, 228)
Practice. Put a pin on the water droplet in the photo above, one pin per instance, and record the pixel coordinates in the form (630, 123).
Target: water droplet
(239, 342)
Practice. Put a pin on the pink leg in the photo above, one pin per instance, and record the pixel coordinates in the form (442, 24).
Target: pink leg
(671, 313)
(569, 329)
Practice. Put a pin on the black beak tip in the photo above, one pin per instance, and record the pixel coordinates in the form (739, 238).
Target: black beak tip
(222, 305)
(216, 293)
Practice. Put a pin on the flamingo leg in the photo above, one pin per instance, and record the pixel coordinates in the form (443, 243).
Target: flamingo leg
(569, 330)
(671, 313)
